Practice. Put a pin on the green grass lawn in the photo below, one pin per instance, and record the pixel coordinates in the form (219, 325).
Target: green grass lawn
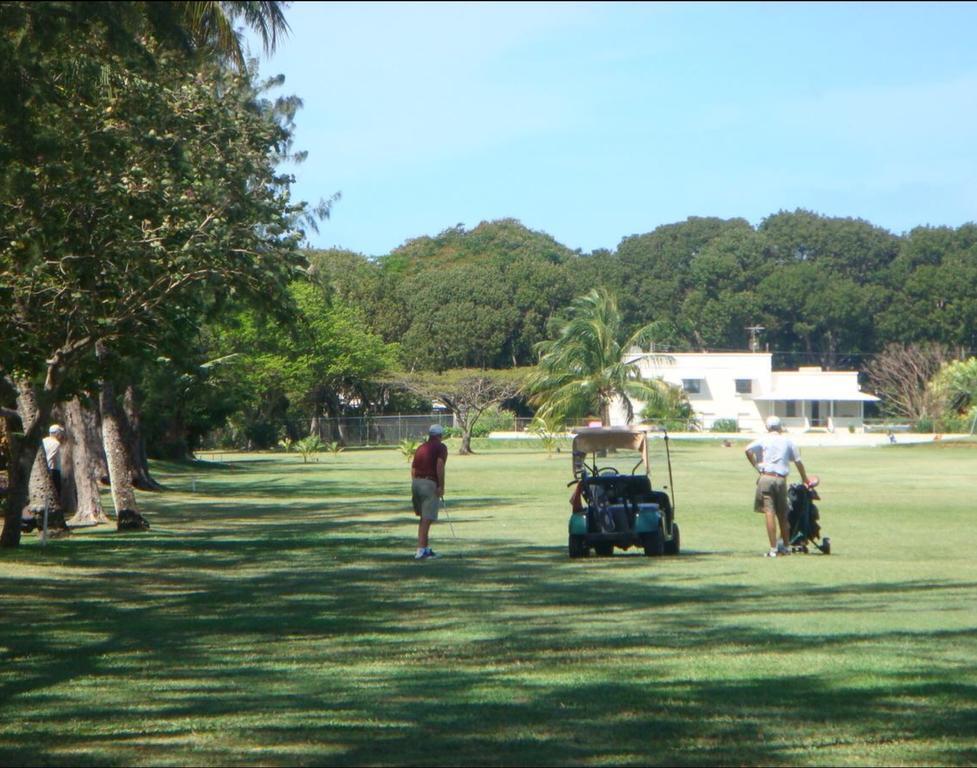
(273, 615)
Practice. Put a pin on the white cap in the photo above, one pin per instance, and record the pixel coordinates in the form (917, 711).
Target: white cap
(773, 423)
(436, 429)
(55, 429)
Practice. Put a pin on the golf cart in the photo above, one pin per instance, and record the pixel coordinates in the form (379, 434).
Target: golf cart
(611, 509)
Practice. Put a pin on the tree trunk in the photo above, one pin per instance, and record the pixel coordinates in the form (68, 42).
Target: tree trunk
(120, 478)
(139, 461)
(17, 494)
(25, 451)
(45, 495)
(466, 422)
(332, 406)
(80, 469)
(96, 445)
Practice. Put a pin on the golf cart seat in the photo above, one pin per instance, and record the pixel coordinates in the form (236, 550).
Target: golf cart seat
(624, 496)
(621, 488)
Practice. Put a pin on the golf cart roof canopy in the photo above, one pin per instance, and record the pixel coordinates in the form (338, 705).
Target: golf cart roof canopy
(590, 439)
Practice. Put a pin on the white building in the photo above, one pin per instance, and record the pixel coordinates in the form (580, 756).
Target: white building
(743, 386)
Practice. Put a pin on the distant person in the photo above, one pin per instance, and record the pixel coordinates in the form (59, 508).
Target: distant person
(427, 486)
(52, 452)
(770, 456)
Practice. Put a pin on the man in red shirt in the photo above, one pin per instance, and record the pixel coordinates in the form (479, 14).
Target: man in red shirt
(427, 486)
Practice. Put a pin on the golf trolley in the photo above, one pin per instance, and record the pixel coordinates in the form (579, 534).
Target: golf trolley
(610, 509)
(804, 519)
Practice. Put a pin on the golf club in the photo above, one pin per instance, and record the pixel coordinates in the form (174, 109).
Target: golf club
(454, 536)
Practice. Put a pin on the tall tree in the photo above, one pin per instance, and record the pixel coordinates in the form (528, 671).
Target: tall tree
(955, 389)
(586, 366)
(466, 392)
(901, 375)
(133, 191)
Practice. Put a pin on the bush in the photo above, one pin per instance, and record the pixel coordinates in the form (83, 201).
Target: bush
(672, 425)
(672, 411)
(955, 423)
(725, 425)
(493, 420)
(309, 446)
(409, 447)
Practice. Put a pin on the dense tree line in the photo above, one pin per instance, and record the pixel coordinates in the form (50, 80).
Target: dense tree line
(827, 291)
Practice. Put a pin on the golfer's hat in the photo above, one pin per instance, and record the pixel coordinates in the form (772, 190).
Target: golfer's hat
(436, 430)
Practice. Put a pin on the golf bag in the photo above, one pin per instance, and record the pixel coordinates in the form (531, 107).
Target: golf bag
(804, 518)
(602, 515)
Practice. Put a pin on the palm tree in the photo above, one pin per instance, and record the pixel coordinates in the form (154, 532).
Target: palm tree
(193, 26)
(587, 366)
(210, 24)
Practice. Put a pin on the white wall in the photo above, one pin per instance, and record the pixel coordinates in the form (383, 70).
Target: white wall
(718, 398)
(718, 372)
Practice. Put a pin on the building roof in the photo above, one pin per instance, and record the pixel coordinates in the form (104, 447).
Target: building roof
(812, 394)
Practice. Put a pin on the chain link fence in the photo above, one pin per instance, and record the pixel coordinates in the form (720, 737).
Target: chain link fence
(391, 430)
(377, 430)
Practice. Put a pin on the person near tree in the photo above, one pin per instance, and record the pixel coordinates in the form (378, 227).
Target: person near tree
(52, 452)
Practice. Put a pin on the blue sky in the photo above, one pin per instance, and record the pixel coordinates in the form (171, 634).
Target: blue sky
(595, 121)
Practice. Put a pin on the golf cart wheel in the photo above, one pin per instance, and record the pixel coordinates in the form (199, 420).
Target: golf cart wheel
(826, 546)
(604, 549)
(672, 547)
(653, 543)
(578, 545)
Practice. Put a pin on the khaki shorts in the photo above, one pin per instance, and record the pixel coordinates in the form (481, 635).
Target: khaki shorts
(424, 495)
(771, 495)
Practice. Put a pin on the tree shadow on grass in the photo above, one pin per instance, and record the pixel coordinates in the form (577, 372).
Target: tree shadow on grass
(286, 636)
(186, 628)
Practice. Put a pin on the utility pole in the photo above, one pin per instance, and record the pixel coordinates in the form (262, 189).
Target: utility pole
(754, 339)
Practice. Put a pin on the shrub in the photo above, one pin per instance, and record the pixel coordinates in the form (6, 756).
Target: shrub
(409, 447)
(548, 432)
(308, 446)
(492, 420)
(725, 425)
(672, 411)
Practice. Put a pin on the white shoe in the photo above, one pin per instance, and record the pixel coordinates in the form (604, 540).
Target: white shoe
(771, 553)
(782, 550)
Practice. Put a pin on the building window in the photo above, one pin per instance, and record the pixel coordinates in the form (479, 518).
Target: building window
(692, 386)
(791, 409)
(744, 386)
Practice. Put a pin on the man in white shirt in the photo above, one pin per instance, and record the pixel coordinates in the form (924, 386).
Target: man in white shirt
(52, 452)
(770, 456)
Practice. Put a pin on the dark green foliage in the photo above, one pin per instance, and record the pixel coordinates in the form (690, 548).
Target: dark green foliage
(478, 298)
